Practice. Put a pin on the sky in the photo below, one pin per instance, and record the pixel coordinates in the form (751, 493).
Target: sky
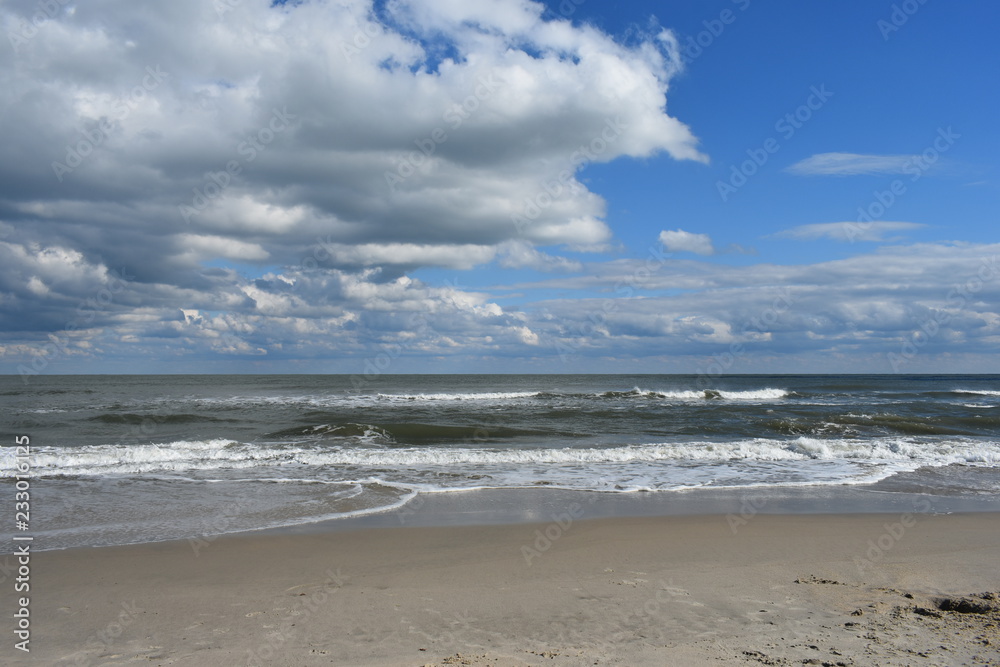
(437, 186)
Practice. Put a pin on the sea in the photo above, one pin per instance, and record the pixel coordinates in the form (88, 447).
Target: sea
(121, 459)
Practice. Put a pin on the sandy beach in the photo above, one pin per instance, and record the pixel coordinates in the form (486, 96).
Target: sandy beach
(828, 589)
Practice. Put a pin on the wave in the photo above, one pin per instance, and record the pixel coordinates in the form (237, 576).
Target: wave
(133, 459)
(710, 394)
(338, 400)
(227, 454)
(133, 418)
(754, 395)
(360, 431)
(977, 392)
(748, 395)
(45, 392)
(473, 396)
(408, 432)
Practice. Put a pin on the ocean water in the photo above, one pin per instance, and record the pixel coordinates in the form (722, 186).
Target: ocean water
(124, 459)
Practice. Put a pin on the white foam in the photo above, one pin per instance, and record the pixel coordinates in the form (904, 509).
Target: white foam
(134, 459)
(978, 392)
(683, 395)
(226, 454)
(475, 396)
(755, 395)
(766, 394)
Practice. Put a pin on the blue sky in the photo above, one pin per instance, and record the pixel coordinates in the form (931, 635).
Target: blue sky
(342, 187)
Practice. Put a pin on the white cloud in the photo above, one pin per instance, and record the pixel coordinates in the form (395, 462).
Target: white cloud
(875, 231)
(520, 254)
(854, 164)
(477, 120)
(851, 311)
(339, 146)
(682, 241)
(212, 247)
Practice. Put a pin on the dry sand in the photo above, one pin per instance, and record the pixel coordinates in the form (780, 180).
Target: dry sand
(780, 590)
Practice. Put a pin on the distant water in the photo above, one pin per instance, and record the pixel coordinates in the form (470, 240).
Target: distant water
(121, 459)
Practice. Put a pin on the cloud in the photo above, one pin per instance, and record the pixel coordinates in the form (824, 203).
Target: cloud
(847, 315)
(849, 231)
(333, 147)
(841, 315)
(519, 254)
(682, 241)
(331, 120)
(330, 149)
(853, 164)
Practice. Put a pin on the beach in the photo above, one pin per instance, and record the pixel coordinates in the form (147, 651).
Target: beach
(509, 333)
(502, 520)
(898, 588)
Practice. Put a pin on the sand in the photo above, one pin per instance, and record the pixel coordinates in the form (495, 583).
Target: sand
(855, 589)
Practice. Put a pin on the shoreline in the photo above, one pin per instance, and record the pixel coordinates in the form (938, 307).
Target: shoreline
(485, 507)
(521, 506)
(570, 588)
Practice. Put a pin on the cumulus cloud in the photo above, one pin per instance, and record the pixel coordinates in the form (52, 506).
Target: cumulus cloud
(854, 164)
(266, 188)
(682, 241)
(330, 148)
(875, 231)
